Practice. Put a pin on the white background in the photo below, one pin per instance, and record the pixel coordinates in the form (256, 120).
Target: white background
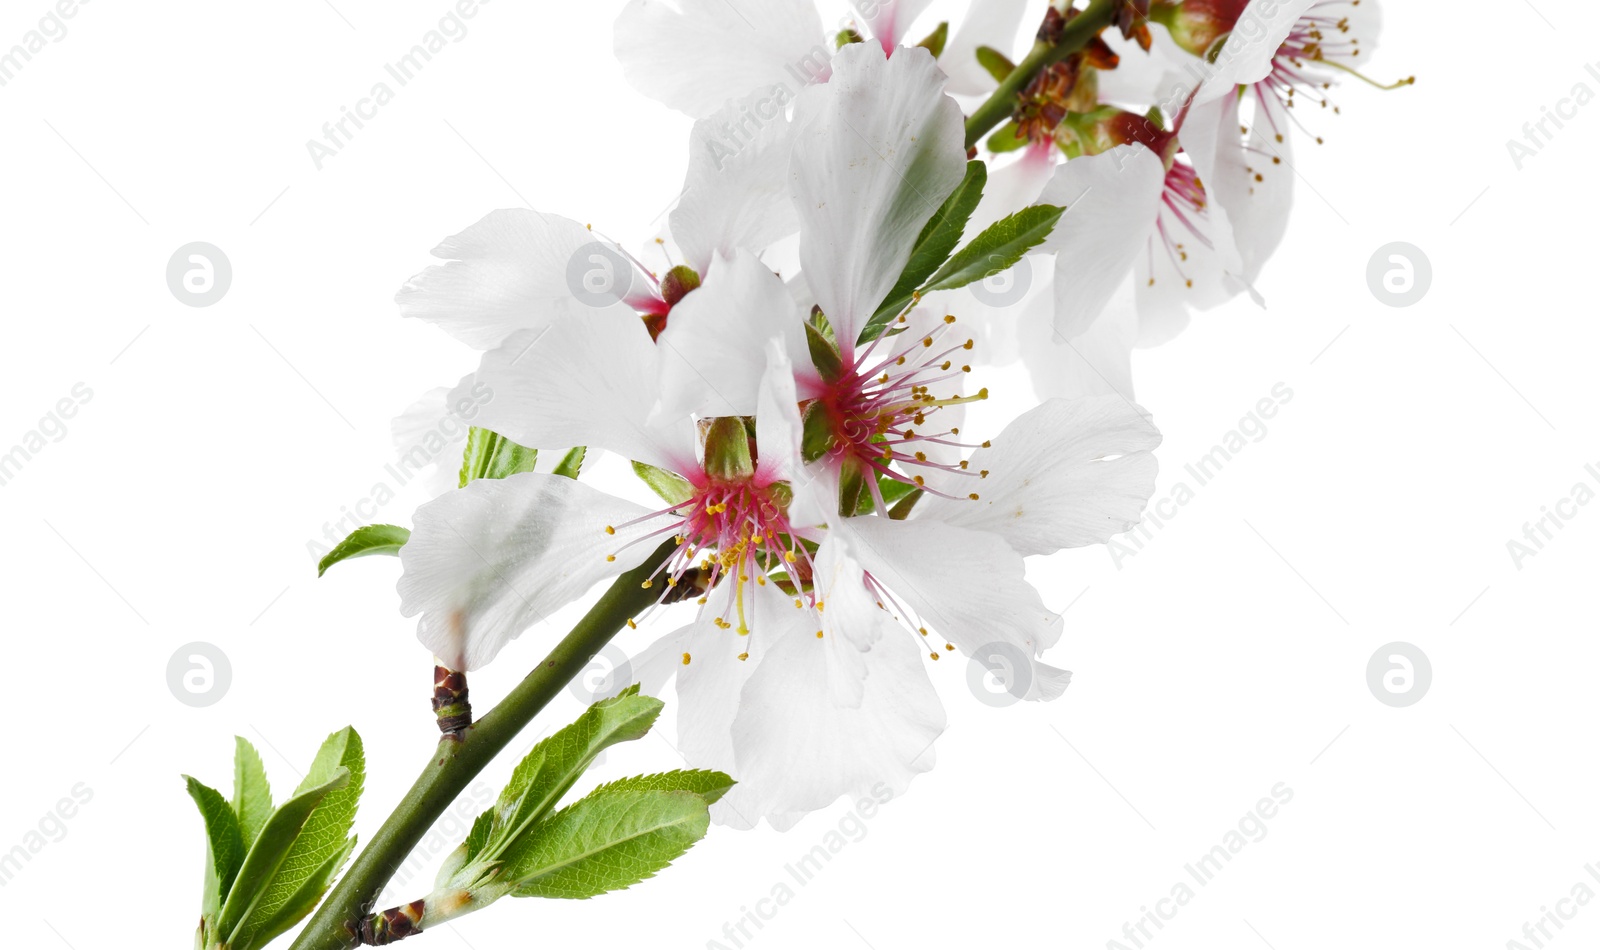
(1226, 657)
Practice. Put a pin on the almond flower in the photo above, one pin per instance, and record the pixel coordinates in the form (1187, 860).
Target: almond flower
(805, 667)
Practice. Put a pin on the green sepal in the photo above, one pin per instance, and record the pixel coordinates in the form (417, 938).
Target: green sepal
(224, 846)
(363, 541)
(934, 42)
(995, 63)
(252, 794)
(902, 508)
(824, 353)
(727, 451)
(1000, 246)
(1007, 138)
(816, 432)
(852, 486)
(492, 455)
(606, 841)
(933, 246)
(673, 489)
(571, 463)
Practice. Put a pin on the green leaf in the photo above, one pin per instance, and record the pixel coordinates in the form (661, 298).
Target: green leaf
(365, 540)
(995, 63)
(224, 846)
(938, 238)
(267, 854)
(1001, 245)
(709, 785)
(934, 42)
(551, 767)
(892, 490)
(305, 900)
(609, 840)
(571, 463)
(252, 795)
(1007, 138)
(492, 455)
(673, 489)
(322, 837)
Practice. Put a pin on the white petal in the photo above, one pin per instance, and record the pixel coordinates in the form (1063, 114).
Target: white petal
(511, 271)
(1099, 362)
(877, 151)
(1111, 201)
(991, 23)
(1258, 208)
(849, 713)
(584, 382)
(713, 351)
(965, 586)
(1067, 473)
(736, 192)
(430, 436)
(487, 561)
(889, 20)
(697, 56)
(1247, 55)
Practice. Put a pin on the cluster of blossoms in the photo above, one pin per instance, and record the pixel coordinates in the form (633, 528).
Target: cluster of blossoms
(795, 389)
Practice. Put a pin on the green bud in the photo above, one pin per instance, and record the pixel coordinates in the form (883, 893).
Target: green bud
(845, 37)
(934, 42)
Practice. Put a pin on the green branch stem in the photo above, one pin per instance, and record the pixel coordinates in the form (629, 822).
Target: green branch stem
(1075, 35)
(456, 762)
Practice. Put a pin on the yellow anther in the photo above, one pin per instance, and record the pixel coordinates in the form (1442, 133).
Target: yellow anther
(967, 345)
(921, 630)
(927, 341)
(983, 393)
(922, 456)
(819, 634)
(648, 583)
(917, 479)
(744, 656)
(789, 556)
(986, 443)
(983, 473)
(948, 646)
(686, 659)
(610, 558)
(610, 530)
(934, 655)
(963, 465)
(973, 496)
(949, 318)
(632, 625)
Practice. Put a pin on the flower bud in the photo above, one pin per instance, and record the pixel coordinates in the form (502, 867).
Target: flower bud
(730, 457)
(1198, 26)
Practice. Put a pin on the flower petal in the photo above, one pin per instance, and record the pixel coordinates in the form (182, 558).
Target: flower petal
(1254, 182)
(696, 56)
(430, 436)
(963, 585)
(585, 382)
(487, 561)
(736, 191)
(991, 23)
(1067, 473)
(713, 351)
(878, 150)
(1099, 362)
(1112, 200)
(508, 272)
(1247, 55)
(849, 713)
(888, 20)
